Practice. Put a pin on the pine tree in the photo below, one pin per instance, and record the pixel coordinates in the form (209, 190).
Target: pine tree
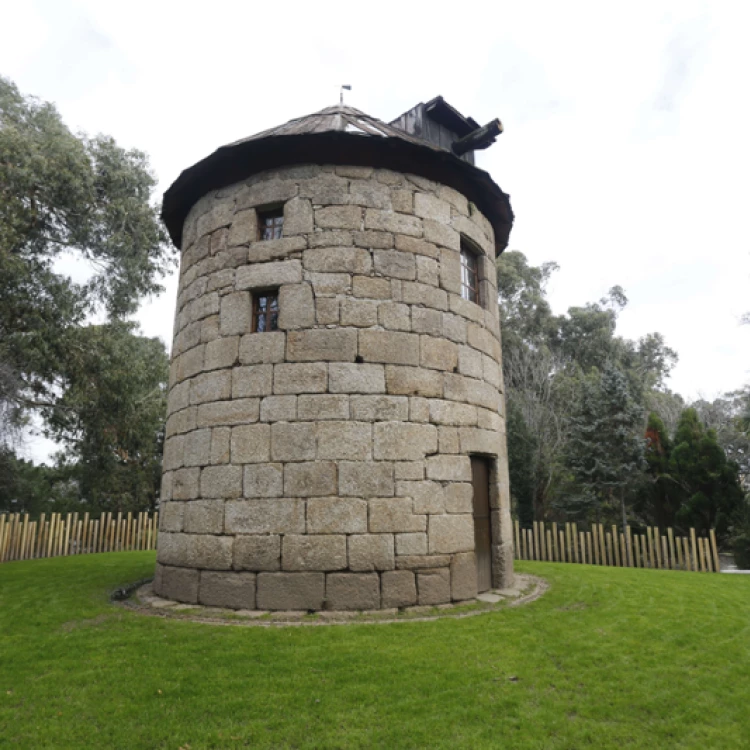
(605, 451)
(710, 494)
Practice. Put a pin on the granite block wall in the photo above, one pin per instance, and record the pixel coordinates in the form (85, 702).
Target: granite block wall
(327, 464)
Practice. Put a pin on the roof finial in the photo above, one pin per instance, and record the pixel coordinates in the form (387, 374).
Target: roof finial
(341, 93)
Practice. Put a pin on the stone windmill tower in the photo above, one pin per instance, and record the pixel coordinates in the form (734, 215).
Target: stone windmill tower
(336, 427)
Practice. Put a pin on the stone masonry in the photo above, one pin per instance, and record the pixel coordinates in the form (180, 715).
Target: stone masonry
(327, 464)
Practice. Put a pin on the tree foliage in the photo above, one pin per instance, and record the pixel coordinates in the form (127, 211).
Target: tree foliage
(65, 197)
(710, 495)
(547, 360)
(73, 201)
(521, 461)
(111, 416)
(658, 501)
(580, 445)
(605, 449)
(34, 489)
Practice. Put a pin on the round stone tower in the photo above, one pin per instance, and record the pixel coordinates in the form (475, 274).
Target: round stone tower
(336, 427)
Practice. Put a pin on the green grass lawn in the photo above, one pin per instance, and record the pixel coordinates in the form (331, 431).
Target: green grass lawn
(608, 657)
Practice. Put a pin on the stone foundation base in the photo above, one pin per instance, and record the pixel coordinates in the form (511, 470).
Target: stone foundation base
(314, 591)
(526, 589)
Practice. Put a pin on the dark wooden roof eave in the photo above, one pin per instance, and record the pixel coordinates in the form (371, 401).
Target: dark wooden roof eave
(236, 162)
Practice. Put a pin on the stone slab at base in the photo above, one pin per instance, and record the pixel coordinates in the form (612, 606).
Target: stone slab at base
(527, 589)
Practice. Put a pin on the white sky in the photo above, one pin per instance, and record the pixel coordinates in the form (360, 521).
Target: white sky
(625, 149)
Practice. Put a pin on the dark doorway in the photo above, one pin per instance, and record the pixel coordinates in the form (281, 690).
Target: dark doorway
(480, 477)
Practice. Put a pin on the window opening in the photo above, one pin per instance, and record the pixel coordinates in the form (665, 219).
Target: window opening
(271, 223)
(265, 311)
(469, 273)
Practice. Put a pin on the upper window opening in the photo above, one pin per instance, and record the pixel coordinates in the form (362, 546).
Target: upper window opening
(265, 311)
(469, 273)
(270, 223)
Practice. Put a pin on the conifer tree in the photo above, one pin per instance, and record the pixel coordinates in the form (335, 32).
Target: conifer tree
(605, 450)
(709, 489)
(659, 500)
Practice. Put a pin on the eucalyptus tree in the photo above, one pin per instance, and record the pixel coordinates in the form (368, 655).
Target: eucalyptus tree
(70, 205)
(66, 199)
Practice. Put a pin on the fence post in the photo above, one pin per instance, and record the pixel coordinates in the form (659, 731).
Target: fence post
(694, 550)
(709, 556)
(657, 546)
(550, 549)
(13, 534)
(714, 551)
(79, 536)
(615, 545)
(555, 548)
(670, 535)
(74, 535)
(40, 538)
(2, 535)
(31, 543)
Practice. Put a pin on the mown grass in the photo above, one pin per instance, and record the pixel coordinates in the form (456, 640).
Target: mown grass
(608, 658)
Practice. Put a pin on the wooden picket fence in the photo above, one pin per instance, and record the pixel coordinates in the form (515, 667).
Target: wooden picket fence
(553, 543)
(54, 536)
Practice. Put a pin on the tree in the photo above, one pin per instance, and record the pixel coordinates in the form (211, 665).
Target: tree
(110, 417)
(658, 502)
(605, 450)
(536, 383)
(729, 418)
(522, 450)
(710, 495)
(526, 314)
(546, 358)
(587, 334)
(65, 196)
(28, 488)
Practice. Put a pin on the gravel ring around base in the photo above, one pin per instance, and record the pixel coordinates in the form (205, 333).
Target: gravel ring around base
(139, 598)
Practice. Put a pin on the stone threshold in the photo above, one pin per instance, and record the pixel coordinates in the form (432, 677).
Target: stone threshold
(141, 599)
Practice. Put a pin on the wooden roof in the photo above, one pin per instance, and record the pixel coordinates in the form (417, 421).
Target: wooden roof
(335, 135)
(338, 118)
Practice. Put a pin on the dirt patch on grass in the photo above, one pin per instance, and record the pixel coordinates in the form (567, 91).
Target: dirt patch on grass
(527, 589)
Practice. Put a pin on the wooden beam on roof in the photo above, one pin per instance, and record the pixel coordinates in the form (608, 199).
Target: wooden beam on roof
(479, 138)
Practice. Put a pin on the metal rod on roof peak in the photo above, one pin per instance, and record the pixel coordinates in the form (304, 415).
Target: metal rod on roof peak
(344, 86)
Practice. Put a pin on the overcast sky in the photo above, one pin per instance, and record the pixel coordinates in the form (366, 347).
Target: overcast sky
(625, 150)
